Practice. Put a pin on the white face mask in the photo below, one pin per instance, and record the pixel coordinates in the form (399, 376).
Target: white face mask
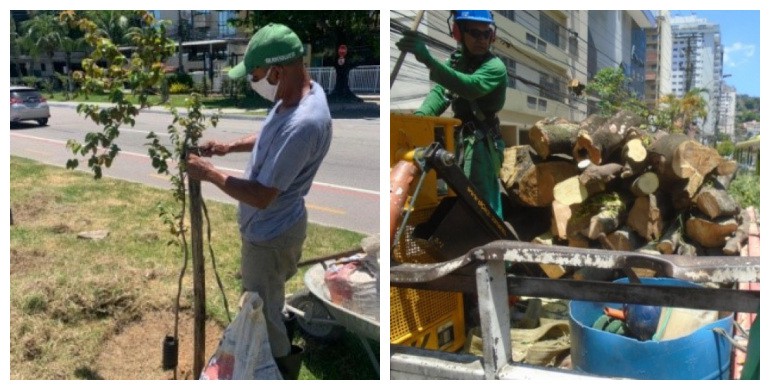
(264, 88)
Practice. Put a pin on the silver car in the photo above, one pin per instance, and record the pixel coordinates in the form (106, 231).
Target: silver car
(28, 104)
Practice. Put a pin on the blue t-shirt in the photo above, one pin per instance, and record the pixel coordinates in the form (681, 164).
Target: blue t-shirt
(286, 156)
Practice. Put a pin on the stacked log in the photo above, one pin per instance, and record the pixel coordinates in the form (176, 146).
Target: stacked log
(609, 183)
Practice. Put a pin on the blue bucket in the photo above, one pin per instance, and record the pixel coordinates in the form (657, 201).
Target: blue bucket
(703, 354)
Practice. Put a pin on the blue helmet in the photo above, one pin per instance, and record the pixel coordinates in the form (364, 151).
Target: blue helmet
(474, 16)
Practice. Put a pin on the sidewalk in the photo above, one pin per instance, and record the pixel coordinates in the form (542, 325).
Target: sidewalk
(369, 107)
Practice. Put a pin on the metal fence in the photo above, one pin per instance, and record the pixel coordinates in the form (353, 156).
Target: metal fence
(362, 79)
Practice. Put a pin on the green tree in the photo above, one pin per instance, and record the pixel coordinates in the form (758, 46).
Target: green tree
(42, 35)
(114, 25)
(326, 31)
(108, 69)
(726, 148)
(611, 86)
(15, 47)
(679, 115)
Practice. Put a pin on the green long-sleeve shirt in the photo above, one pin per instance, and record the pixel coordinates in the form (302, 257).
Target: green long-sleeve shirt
(486, 85)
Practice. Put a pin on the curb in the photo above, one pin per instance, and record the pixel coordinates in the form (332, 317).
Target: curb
(231, 113)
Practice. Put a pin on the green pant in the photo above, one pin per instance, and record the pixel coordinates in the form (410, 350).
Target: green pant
(481, 163)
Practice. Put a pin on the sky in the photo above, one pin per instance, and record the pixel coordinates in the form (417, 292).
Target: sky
(740, 39)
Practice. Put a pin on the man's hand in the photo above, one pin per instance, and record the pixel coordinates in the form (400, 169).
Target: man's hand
(214, 148)
(198, 168)
(412, 43)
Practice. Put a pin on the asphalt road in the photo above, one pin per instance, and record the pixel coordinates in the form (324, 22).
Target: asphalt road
(345, 192)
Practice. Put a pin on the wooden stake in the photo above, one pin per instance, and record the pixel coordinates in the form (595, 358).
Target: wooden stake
(199, 276)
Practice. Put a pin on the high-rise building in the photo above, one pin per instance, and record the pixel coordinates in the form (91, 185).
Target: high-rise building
(657, 76)
(697, 61)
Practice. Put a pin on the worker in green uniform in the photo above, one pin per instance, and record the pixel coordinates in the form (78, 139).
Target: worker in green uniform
(473, 81)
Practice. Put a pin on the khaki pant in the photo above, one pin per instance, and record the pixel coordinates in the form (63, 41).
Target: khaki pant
(265, 268)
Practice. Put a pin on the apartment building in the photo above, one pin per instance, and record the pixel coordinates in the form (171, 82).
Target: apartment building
(548, 54)
(697, 61)
(657, 75)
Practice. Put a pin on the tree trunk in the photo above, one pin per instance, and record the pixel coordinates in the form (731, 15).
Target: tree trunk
(199, 275)
(599, 214)
(624, 239)
(553, 271)
(646, 184)
(716, 203)
(647, 217)
(560, 216)
(710, 233)
(532, 184)
(595, 178)
(669, 242)
(634, 155)
(735, 243)
(553, 136)
(600, 145)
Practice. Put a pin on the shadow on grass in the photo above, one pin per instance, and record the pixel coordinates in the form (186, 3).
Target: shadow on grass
(87, 373)
(345, 359)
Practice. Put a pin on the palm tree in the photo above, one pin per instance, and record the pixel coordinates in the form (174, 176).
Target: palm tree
(43, 35)
(679, 115)
(15, 47)
(113, 24)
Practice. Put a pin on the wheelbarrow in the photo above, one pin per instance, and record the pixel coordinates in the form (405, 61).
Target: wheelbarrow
(323, 320)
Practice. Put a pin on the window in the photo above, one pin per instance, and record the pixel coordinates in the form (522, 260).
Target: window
(550, 87)
(511, 15)
(511, 66)
(532, 102)
(535, 43)
(549, 29)
(226, 29)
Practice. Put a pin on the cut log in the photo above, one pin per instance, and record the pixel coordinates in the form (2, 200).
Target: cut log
(569, 191)
(624, 239)
(669, 242)
(693, 158)
(634, 154)
(532, 184)
(678, 156)
(553, 271)
(596, 177)
(560, 215)
(727, 167)
(647, 217)
(600, 145)
(646, 184)
(553, 136)
(710, 233)
(593, 122)
(736, 243)
(683, 191)
(716, 203)
(517, 165)
(661, 154)
(599, 214)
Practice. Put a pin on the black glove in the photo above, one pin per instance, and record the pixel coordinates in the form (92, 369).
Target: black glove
(412, 43)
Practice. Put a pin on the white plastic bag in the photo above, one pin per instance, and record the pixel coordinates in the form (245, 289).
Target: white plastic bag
(244, 352)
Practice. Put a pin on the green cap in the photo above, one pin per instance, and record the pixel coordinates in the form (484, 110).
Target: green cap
(271, 45)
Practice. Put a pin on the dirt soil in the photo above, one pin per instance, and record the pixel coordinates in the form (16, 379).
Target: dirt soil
(136, 353)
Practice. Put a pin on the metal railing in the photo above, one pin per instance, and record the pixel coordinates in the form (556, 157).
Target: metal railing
(362, 79)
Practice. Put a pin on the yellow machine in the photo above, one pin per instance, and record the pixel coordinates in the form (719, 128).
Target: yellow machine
(421, 318)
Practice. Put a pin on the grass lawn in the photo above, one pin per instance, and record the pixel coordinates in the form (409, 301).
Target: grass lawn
(71, 297)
